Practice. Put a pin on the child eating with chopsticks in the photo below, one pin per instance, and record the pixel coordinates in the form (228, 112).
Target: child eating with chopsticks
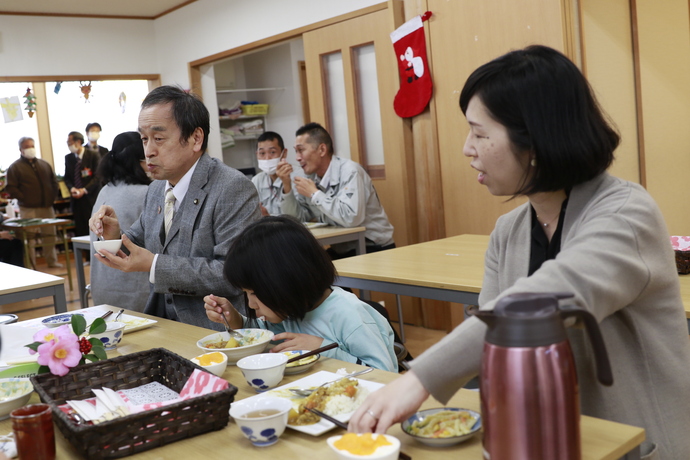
(288, 278)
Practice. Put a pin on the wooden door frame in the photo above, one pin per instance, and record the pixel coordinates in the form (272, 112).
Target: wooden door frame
(194, 67)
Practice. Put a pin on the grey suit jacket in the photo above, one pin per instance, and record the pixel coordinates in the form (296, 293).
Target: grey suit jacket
(219, 204)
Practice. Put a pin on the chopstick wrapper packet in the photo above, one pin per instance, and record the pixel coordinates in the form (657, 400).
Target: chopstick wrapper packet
(680, 243)
(199, 383)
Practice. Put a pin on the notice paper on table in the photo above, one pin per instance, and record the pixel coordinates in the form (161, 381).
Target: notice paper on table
(15, 359)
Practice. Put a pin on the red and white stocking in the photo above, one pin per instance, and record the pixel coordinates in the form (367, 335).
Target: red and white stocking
(415, 78)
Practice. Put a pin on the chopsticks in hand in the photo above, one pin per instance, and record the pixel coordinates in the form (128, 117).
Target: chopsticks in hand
(335, 421)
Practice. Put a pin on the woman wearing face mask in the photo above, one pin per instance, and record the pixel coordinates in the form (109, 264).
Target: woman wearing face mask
(93, 133)
(271, 153)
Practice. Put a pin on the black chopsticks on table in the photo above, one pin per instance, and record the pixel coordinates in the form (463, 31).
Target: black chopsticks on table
(335, 421)
(313, 352)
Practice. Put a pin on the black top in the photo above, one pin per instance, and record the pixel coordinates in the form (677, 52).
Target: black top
(541, 249)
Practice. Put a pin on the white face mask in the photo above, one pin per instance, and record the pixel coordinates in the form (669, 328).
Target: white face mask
(73, 148)
(269, 166)
(94, 136)
(29, 153)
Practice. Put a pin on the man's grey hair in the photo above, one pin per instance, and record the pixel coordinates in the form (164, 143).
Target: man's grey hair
(24, 139)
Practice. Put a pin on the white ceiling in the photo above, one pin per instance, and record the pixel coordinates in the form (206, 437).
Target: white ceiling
(146, 9)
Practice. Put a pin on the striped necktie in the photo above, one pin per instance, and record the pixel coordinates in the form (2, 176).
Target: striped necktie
(77, 173)
(169, 209)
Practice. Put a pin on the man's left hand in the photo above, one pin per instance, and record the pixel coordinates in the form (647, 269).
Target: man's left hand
(138, 260)
(305, 187)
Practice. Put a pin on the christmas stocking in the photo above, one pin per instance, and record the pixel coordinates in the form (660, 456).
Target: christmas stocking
(415, 79)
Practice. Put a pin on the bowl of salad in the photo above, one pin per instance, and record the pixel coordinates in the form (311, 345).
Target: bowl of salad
(443, 426)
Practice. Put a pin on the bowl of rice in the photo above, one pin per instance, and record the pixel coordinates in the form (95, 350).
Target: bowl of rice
(255, 341)
(442, 426)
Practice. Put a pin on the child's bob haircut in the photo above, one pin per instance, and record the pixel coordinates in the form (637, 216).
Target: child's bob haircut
(282, 263)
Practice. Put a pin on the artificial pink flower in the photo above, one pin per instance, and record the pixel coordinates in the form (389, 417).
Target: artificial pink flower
(61, 352)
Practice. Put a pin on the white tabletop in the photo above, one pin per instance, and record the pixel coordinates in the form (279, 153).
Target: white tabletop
(18, 279)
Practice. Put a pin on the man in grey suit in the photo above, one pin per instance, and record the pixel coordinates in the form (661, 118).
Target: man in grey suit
(193, 211)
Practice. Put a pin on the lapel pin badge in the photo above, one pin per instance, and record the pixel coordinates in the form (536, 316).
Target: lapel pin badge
(159, 209)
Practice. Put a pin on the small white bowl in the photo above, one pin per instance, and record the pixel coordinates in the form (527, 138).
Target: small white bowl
(263, 371)
(112, 246)
(382, 453)
(442, 442)
(14, 393)
(213, 368)
(112, 335)
(235, 354)
(299, 366)
(261, 431)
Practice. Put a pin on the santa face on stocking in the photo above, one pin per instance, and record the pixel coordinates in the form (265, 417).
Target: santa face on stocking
(415, 82)
(415, 65)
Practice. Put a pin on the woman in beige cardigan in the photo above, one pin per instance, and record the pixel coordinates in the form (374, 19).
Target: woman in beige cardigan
(537, 131)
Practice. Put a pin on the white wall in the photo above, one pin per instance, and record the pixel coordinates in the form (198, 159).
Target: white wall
(207, 27)
(36, 45)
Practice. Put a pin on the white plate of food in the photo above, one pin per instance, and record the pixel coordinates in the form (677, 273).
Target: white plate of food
(135, 323)
(314, 380)
(315, 224)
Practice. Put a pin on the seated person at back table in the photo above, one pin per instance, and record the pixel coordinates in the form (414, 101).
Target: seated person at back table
(271, 154)
(288, 280)
(336, 191)
(11, 249)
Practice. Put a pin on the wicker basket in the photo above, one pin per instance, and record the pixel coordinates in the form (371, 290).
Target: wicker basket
(683, 262)
(137, 432)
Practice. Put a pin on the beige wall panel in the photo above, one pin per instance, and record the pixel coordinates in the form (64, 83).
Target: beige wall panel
(664, 40)
(464, 35)
(608, 52)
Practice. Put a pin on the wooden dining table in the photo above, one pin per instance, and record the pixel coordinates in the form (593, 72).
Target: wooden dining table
(601, 439)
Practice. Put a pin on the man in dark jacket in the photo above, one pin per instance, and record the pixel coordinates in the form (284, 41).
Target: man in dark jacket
(32, 182)
(80, 177)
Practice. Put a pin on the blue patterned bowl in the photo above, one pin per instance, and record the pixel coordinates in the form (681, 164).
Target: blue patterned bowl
(59, 320)
(112, 335)
(263, 371)
(262, 420)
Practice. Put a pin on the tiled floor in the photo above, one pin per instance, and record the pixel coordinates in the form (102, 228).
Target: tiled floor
(418, 339)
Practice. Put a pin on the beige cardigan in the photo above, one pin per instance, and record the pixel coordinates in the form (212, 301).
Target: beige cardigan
(617, 259)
